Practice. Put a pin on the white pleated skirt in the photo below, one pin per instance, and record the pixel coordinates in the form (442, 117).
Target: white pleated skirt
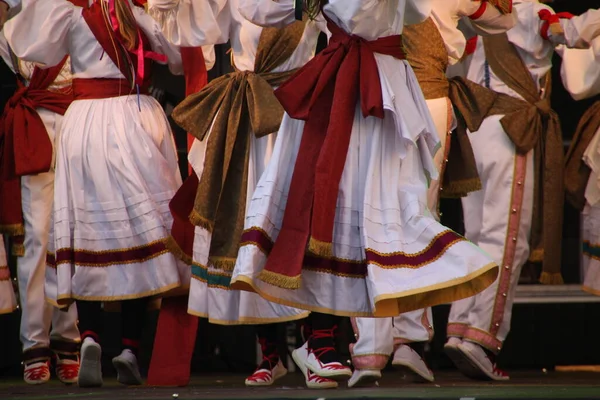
(8, 301)
(389, 253)
(211, 295)
(116, 172)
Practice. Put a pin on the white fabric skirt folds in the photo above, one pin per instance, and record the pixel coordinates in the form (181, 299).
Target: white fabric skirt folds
(211, 295)
(116, 172)
(389, 253)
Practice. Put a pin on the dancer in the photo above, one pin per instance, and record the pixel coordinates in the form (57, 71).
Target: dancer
(116, 168)
(383, 253)
(31, 121)
(232, 119)
(518, 149)
(432, 46)
(580, 73)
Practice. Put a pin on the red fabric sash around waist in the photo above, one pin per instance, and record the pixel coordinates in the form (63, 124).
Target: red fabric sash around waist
(324, 93)
(103, 88)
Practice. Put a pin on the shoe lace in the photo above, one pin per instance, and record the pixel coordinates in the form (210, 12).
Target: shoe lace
(323, 334)
(316, 378)
(261, 375)
(36, 373)
(270, 358)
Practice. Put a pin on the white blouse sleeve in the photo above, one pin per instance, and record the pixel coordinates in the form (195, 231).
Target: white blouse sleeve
(579, 31)
(491, 22)
(192, 23)
(580, 71)
(40, 32)
(158, 41)
(268, 13)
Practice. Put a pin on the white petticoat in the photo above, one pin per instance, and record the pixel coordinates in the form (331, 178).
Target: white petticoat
(8, 301)
(210, 293)
(381, 214)
(116, 172)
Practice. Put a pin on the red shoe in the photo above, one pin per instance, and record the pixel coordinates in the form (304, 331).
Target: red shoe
(266, 377)
(67, 370)
(37, 373)
(310, 359)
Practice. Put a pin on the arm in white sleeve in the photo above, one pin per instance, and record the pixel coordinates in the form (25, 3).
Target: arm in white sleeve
(12, 3)
(40, 32)
(491, 21)
(268, 13)
(192, 23)
(577, 32)
(417, 11)
(158, 42)
(580, 71)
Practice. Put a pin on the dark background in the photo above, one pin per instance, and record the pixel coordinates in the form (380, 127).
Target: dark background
(542, 336)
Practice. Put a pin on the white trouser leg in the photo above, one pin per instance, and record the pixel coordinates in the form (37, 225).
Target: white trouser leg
(374, 342)
(414, 326)
(506, 201)
(441, 113)
(37, 315)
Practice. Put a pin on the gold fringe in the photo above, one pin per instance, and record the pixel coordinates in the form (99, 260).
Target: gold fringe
(457, 189)
(548, 278)
(18, 249)
(199, 220)
(279, 280)
(537, 255)
(224, 263)
(320, 248)
(172, 245)
(12, 230)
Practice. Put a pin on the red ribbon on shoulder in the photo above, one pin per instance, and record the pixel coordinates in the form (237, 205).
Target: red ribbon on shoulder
(551, 19)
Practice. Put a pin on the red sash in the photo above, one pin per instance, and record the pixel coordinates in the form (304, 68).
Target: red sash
(94, 18)
(326, 89)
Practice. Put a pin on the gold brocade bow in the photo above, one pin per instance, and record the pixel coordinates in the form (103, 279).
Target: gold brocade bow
(231, 108)
(532, 124)
(577, 173)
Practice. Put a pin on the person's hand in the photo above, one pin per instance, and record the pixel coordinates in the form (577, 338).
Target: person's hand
(3, 13)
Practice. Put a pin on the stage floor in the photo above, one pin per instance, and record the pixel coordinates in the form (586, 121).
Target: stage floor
(449, 385)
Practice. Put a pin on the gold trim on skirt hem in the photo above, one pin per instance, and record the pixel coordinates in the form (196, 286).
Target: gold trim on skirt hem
(62, 299)
(8, 310)
(391, 305)
(248, 320)
(224, 263)
(12, 229)
(172, 245)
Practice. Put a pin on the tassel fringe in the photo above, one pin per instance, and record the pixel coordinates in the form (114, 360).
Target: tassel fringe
(224, 263)
(458, 189)
(198, 220)
(537, 255)
(18, 249)
(279, 280)
(12, 230)
(320, 248)
(554, 278)
(172, 245)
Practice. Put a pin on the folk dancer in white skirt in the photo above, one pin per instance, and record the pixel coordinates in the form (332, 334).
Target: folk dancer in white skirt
(521, 189)
(580, 71)
(31, 122)
(116, 169)
(241, 109)
(349, 178)
(431, 46)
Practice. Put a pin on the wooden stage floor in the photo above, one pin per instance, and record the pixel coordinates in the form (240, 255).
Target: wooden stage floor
(449, 385)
